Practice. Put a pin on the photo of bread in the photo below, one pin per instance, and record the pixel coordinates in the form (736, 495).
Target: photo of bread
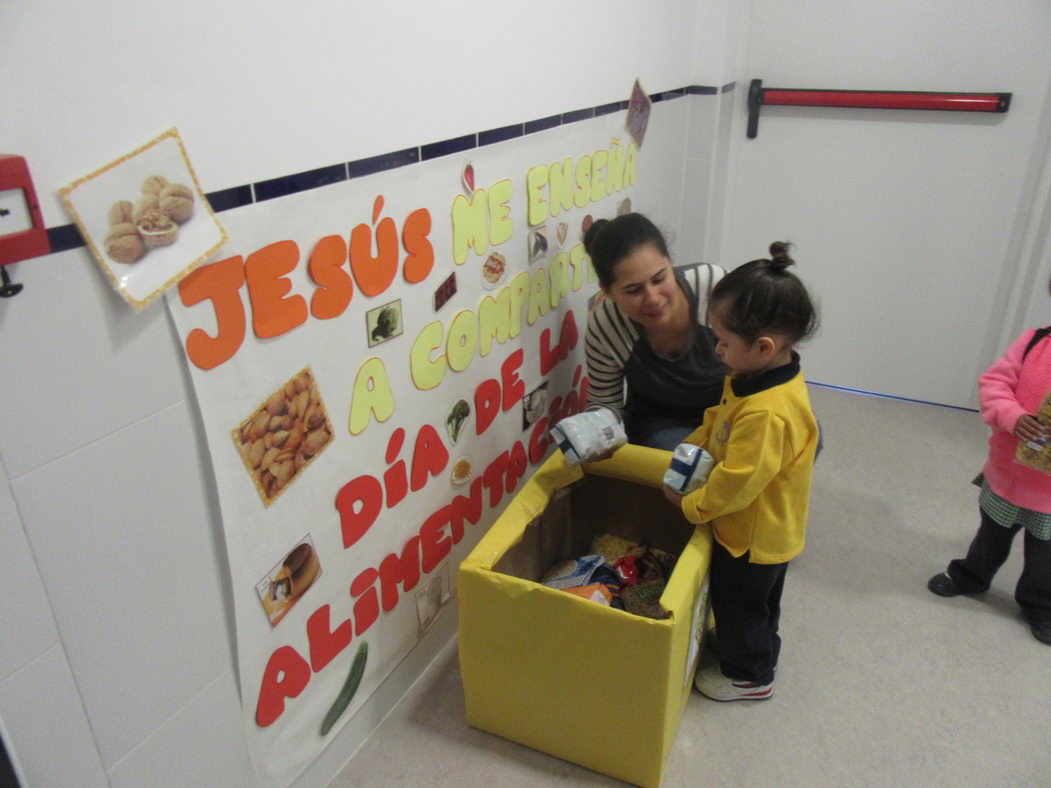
(283, 435)
(286, 582)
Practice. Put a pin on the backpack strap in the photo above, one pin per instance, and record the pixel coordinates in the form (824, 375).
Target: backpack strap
(1037, 336)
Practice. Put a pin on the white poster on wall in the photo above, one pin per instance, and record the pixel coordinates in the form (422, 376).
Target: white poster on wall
(378, 363)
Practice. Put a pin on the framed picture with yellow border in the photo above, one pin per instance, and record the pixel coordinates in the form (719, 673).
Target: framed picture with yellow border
(145, 218)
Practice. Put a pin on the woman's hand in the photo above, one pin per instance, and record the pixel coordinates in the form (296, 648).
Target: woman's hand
(1027, 428)
(673, 496)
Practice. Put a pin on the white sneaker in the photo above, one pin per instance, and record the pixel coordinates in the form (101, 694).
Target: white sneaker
(711, 683)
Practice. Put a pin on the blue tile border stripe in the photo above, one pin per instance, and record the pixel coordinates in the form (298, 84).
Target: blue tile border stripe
(447, 147)
(543, 124)
(300, 182)
(67, 236)
(577, 114)
(501, 134)
(226, 199)
(385, 161)
(609, 109)
(878, 395)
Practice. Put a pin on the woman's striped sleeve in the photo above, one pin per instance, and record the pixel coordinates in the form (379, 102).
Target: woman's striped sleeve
(607, 345)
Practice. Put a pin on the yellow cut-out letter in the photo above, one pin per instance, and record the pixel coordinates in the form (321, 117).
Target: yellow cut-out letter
(536, 180)
(427, 373)
(494, 317)
(372, 396)
(462, 340)
(519, 288)
(615, 169)
(560, 193)
(470, 229)
(583, 192)
(539, 295)
(559, 278)
(598, 175)
(580, 261)
(501, 228)
(631, 173)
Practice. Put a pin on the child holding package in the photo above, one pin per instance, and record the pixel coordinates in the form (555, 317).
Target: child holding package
(1014, 495)
(763, 437)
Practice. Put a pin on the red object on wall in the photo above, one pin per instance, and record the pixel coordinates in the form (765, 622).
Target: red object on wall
(870, 99)
(24, 242)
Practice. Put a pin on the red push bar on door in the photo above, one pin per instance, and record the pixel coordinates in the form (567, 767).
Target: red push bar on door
(872, 99)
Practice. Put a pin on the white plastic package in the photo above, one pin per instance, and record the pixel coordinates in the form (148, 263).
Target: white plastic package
(587, 435)
(689, 469)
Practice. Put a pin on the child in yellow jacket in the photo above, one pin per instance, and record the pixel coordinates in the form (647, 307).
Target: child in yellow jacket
(763, 437)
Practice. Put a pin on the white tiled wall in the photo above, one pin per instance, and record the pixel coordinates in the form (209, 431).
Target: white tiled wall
(113, 607)
(46, 727)
(112, 560)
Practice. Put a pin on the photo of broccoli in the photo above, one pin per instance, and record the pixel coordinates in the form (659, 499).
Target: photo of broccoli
(384, 322)
(457, 416)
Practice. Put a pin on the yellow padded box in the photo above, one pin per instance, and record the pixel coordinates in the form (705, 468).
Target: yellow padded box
(565, 675)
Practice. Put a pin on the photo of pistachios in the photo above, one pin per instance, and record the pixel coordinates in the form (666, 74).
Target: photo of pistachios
(284, 435)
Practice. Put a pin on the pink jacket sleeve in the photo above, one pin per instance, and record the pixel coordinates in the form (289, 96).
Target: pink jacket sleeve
(997, 385)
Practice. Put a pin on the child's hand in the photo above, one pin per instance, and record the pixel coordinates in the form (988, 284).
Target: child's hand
(1028, 428)
(673, 496)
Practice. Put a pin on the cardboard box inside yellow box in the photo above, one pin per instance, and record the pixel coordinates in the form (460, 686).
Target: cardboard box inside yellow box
(568, 676)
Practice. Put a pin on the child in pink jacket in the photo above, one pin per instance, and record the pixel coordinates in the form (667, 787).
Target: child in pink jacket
(1014, 496)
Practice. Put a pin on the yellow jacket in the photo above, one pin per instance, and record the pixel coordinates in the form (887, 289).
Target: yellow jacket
(763, 436)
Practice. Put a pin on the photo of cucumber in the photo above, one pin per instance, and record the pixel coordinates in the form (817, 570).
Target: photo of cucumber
(346, 695)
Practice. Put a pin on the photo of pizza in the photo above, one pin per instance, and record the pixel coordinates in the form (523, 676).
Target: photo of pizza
(494, 269)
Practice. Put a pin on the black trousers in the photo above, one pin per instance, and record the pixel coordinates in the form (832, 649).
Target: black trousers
(746, 600)
(989, 549)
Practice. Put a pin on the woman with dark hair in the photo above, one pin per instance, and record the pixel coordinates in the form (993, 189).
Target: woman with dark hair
(650, 349)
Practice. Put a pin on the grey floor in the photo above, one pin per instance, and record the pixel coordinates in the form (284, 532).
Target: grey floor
(880, 682)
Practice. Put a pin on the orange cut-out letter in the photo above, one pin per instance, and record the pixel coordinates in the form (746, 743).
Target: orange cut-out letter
(374, 274)
(335, 287)
(419, 254)
(274, 314)
(221, 282)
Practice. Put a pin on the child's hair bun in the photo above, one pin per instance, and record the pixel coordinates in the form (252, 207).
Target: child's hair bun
(592, 234)
(779, 258)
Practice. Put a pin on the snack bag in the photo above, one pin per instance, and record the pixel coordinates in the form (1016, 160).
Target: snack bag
(689, 469)
(644, 599)
(596, 592)
(574, 572)
(1037, 455)
(613, 547)
(589, 434)
(667, 560)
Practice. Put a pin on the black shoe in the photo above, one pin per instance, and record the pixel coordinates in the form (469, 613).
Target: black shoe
(943, 585)
(1041, 631)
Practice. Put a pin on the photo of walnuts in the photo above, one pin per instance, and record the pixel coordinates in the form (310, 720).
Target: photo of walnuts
(284, 435)
(151, 222)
